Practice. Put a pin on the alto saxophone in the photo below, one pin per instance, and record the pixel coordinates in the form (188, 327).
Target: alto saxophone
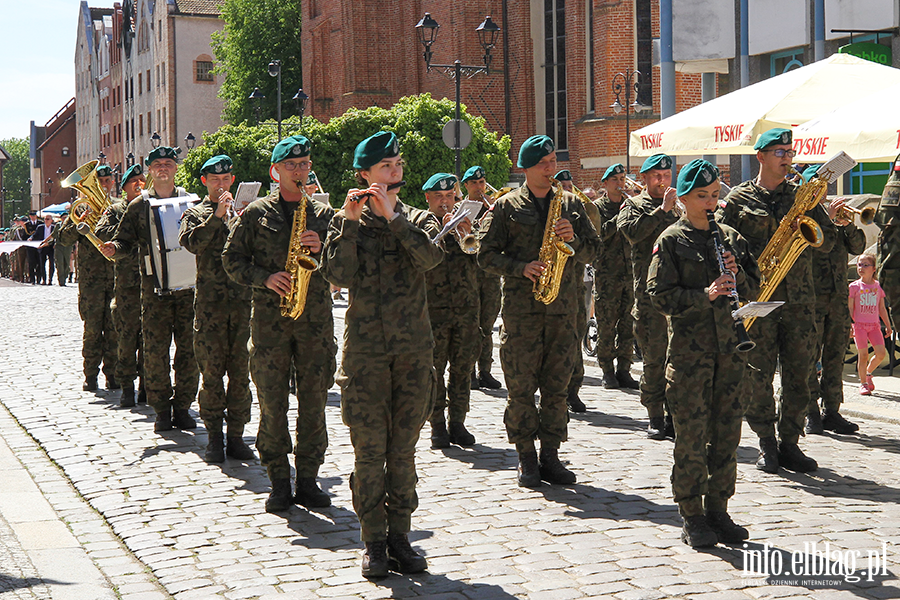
(299, 264)
(554, 252)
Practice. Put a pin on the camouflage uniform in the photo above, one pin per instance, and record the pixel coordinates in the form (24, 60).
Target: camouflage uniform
(833, 315)
(257, 248)
(453, 307)
(703, 369)
(127, 301)
(536, 340)
(62, 255)
(163, 317)
(489, 308)
(387, 374)
(96, 283)
(789, 333)
(641, 219)
(613, 291)
(888, 251)
(221, 323)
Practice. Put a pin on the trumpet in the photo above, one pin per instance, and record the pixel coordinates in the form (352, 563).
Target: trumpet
(631, 187)
(495, 193)
(468, 243)
(866, 215)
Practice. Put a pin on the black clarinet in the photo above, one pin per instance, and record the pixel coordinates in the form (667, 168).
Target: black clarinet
(363, 195)
(744, 343)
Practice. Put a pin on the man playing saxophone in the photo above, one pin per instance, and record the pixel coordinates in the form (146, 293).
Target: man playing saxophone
(537, 339)
(255, 256)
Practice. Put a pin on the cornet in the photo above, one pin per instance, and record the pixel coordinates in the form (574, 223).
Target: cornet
(495, 193)
(866, 215)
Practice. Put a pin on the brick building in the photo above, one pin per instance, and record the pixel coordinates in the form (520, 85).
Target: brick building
(52, 155)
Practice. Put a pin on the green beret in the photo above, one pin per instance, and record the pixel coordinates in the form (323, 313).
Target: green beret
(563, 175)
(439, 182)
(774, 137)
(533, 150)
(697, 173)
(219, 164)
(657, 161)
(809, 172)
(475, 172)
(133, 171)
(616, 169)
(104, 171)
(375, 148)
(163, 152)
(312, 179)
(294, 146)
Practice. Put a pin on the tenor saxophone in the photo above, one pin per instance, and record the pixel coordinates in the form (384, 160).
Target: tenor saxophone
(554, 251)
(299, 264)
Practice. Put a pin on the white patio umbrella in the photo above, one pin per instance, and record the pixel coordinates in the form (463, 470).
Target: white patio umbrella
(731, 123)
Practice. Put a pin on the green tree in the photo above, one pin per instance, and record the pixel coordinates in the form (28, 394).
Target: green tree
(250, 149)
(255, 33)
(15, 172)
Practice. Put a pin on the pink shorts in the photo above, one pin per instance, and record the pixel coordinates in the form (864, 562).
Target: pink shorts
(865, 333)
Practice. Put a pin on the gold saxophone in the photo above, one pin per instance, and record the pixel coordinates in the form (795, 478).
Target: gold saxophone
(299, 264)
(788, 244)
(91, 203)
(554, 252)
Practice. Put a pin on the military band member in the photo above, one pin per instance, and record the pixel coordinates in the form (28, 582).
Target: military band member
(887, 218)
(163, 317)
(755, 208)
(488, 290)
(221, 316)
(453, 301)
(387, 374)
(641, 219)
(129, 365)
(537, 340)
(703, 367)
(255, 256)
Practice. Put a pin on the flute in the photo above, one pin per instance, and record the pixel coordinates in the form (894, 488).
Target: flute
(363, 195)
(744, 343)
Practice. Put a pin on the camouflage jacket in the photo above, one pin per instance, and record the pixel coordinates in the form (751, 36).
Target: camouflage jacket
(128, 273)
(383, 265)
(756, 212)
(479, 233)
(93, 267)
(830, 270)
(258, 247)
(204, 234)
(888, 248)
(453, 284)
(513, 237)
(614, 264)
(684, 264)
(640, 221)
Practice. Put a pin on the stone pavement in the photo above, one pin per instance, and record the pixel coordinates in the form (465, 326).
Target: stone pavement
(203, 533)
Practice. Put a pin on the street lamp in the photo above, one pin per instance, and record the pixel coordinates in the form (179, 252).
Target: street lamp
(275, 71)
(255, 96)
(26, 198)
(155, 140)
(49, 191)
(488, 32)
(102, 158)
(300, 101)
(130, 159)
(2, 207)
(190, 141)
(627, 82)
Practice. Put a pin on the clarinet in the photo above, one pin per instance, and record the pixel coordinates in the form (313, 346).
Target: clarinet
(744, 343)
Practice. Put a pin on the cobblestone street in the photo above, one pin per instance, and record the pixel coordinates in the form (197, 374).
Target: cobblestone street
(161, 522)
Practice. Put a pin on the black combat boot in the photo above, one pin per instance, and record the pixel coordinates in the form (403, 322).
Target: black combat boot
(725, 529)
(309, 494)
(529, 474)
(111, 383)
(792, 458)
(439, 436)
(215, 447)
(697, 533)
(835, 421)
(610, 381)
(375, 560)
(768, 455)
(475, 383)
(487, 381)
(127, 399)
(90, 384)
(235, 447)
(656, 430)
(163, 421)
(403, 558)
(142, 392)
(574, 402)
(280, 498)
(626, 381)
(670, 427)
(459, 435)
(814, 422)
(182, 419)
(552, 470)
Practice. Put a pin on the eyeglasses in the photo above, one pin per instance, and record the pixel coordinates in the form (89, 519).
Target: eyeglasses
(781, 153)
(294, 166)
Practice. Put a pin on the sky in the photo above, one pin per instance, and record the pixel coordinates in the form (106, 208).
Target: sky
(37, 60)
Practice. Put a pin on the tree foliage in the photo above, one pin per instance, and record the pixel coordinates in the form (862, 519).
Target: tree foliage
(255, 33)
(416, 120)
(15, 172)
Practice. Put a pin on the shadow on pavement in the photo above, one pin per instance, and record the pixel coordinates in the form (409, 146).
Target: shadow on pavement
(483, 457)
(827, 483)
(602, 419)
(589, 502)
(8, 583)
(869, 441)
(405, 586)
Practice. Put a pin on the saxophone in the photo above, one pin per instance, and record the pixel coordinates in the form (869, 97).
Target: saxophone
(554, 252)
(299, 264)
(787, 245)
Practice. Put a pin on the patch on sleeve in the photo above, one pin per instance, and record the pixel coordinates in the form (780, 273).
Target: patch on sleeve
(722, 203)
(655, 248)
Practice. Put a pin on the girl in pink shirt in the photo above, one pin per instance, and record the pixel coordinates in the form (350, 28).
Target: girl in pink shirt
(866, 307)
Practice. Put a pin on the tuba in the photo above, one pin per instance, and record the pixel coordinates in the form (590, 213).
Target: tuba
(92, 202)
(554, 252)
(787, 245)
(299, 264)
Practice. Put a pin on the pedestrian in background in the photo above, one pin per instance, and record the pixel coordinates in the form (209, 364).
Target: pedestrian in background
(866, 304)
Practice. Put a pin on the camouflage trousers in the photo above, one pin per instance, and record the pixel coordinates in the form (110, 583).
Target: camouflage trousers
(788, 336)
(128, 328)
(580, 325)
(99, 342)
(832, 338)
(615, 325)
(456, 340)
(221, 333)
(489, 288)
(703, 392)
(162, 319)
(279, 343)
(62, 255)
(890, 283)
(536, 354)
(385, 401)
(652, 331)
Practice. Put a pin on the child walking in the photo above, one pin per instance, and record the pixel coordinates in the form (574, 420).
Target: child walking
(866, 304)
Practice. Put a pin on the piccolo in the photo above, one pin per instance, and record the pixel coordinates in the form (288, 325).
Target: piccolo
(363, 195)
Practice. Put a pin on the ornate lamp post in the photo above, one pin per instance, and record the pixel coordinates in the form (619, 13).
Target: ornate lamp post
(255, 96)
(155, 140)
(275, 71)
(190, 141)
(627, 82)
(300, 101)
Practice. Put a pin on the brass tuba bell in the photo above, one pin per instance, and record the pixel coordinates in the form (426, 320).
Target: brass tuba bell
(93, 197)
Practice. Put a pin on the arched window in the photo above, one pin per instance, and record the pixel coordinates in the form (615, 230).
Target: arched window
(203, 69)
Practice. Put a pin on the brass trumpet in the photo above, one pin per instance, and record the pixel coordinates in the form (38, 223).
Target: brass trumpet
(866, 215)
(632, 187)
(495, 193)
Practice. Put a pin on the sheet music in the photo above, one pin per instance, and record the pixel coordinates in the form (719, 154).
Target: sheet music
(755, 309)
(466, 208)
(836, 166)
(246, 193)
